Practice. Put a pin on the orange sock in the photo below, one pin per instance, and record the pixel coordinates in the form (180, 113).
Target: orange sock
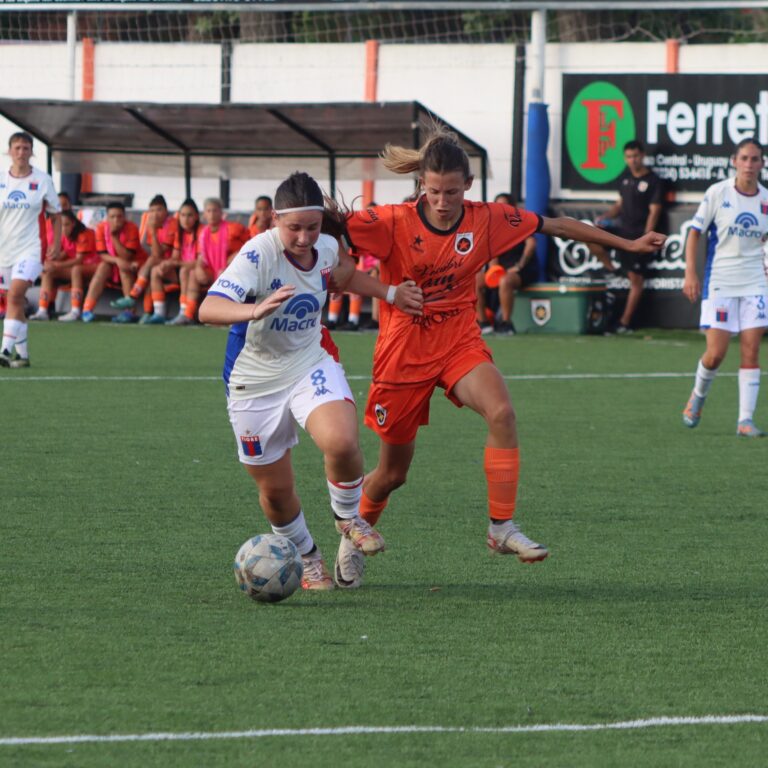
(45, 300)
(334, 309)
(89, 305)
(148, 303)
(502, 471)
(182, 301)
(355, 305)
(371, 511)
(190, 309)
(77, 299)
(138, 287)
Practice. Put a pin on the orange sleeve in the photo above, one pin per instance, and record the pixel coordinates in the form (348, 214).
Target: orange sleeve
(86, 242)
(131, 236)
(101, 243)
(372, 231)
(509, 226)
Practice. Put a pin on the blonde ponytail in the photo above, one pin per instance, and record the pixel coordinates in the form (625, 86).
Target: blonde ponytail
(440, 153)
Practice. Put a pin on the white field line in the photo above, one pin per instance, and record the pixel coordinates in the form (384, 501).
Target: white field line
(512, 377)
(355, 730)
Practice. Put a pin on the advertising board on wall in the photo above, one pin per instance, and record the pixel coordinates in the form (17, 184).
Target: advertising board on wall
(689, 124)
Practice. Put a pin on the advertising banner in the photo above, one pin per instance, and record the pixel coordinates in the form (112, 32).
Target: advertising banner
(689, 124)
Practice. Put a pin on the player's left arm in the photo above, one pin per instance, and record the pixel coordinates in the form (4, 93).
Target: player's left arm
(571, 229)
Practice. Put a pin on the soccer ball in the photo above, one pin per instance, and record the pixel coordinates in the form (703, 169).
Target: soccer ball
(268, 568)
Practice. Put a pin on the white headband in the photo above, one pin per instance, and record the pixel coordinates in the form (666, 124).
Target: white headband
(302, 208)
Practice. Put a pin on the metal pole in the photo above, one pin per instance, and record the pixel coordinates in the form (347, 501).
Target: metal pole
(71, 52)
(538, 50)
(518, 125)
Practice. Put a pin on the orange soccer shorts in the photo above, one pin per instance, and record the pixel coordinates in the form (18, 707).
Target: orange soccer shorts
(395, 413)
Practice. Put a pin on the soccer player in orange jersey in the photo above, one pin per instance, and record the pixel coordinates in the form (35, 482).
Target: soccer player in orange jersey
(79, 263)
(118, 246)
(261, 218)
(185, 257)
(161, 229)
(441, 241)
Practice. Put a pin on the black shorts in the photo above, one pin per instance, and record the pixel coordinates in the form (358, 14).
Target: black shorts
(633, 262)
(528, 274)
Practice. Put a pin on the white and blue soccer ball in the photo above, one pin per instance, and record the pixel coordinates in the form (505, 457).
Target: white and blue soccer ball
(268, 568)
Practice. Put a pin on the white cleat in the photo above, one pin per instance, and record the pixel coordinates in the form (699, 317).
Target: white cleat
(350, 565)
(507, 539)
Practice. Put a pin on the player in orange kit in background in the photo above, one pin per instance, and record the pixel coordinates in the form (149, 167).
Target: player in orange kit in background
(441, 241)
(261, 218)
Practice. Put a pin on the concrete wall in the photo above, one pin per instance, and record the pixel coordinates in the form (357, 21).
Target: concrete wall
(471, 86)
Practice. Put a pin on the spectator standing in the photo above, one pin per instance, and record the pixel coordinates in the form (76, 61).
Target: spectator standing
(637, 211)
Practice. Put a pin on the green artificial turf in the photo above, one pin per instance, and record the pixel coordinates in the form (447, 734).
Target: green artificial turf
(123, 506)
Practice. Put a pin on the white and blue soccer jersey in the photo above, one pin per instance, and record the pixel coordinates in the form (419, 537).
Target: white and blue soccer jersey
(22, 200)
(736, 226)
(267, 355)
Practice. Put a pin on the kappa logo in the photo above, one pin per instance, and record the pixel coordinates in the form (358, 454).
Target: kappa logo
(253, 257)
(381, 414)
(275, 284)
(600, 121)
(465, 242)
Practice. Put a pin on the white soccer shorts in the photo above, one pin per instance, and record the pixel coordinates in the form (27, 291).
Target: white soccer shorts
(734, 314)
(265, 427)
(29, 269)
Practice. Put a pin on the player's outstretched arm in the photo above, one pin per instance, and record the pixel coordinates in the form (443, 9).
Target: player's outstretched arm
(571, 229)
(407, 296)
(218, 310)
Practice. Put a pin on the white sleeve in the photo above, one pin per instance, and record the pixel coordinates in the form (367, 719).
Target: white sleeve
(51, 204)
(706, 210)
(240, 279)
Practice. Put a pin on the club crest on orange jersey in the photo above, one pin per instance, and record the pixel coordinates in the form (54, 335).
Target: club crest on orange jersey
(465, 242)
(381, 414)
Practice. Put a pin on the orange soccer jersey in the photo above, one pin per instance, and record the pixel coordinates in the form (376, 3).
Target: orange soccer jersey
(415, 350)
(166, 234)
(84, 243)
(128, 236)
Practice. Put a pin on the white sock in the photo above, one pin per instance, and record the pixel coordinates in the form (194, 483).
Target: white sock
(21, 340)
(345, 497)
(749, 387)
(12, 330)
(704, 379)
(333, 317)
(297, 532)
(159, 307)
(354, 319)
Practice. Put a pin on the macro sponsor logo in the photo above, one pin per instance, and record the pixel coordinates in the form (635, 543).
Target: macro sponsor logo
(743, 226)
(16, 200)
(600, 122)
(300, 313)
(228, 285)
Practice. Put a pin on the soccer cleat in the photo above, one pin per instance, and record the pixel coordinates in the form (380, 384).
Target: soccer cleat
(124, 302)
(5, 359)
(692, 411)
(124, 318)
(19, 362)
(71, 317)
(41, 314)
(745, 428)
(623, 330)
(361, 535)
(88, 317)
(316, 575)
(505, 328)
(485, 329)
(349, 327)
(154, 319)
(180, 319)
(508, 539)
(350, 565)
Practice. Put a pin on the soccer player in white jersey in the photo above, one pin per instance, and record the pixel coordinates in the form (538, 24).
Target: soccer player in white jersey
(278, 374)
(734, 214)
(25, 194)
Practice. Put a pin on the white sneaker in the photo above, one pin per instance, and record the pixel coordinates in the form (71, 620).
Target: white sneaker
(41, 314)
(361, 535)
(316, 574)
(72, 316)
(350, 565)
(508, 539)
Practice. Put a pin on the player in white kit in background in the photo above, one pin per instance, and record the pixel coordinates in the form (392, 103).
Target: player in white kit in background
(26, 193)
(278, 374)
(734, 214)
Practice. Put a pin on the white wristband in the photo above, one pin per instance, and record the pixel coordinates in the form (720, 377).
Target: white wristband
(391, 291)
